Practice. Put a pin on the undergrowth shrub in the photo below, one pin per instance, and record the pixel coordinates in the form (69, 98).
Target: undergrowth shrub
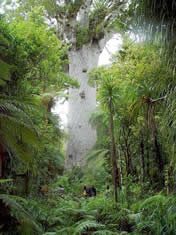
(156, 215)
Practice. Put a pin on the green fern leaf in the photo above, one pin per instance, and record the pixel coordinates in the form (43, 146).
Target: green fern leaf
(105, 232)
(17, 210)
(86, 225)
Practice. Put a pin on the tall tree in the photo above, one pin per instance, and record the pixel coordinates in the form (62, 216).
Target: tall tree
(82, 24)
(108, 96)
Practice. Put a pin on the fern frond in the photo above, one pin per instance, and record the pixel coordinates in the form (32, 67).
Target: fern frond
(146, 225)
(66, 230)
(135, 217)
(100, 153)
(17, 210)
(105, 232)
(18, 134)
(9, 107)
(86, 225)
(5, 180)
(50, 233)
(153, 202)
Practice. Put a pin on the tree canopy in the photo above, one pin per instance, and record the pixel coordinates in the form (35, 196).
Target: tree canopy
(79, 22)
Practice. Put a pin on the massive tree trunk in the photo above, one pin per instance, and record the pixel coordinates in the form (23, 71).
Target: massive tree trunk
(82, 102)
(82, 24)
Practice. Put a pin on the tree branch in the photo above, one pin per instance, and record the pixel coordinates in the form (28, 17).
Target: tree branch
(156, 100)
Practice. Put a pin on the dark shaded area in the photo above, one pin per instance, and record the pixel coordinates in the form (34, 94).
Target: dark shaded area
(7, 222)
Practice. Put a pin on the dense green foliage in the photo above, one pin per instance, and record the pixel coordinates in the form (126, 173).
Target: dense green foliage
(138, 80)
(99, 18)
(135, 121)
(32, 74)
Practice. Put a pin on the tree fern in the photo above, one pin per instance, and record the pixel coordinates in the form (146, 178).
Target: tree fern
(13, 107)
(18, 134)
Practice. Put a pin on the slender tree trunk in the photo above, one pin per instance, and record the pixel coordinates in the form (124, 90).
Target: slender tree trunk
(1, 161)
(113, 149)
(142, 159)
(156, 147)
(1, 164)
(120, 167)
(129, 162)
(159, 159)
(148, 164)
(167, 180)
(126, 161)
(26, 183)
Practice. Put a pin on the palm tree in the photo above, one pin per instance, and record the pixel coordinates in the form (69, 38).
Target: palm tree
(107, 95)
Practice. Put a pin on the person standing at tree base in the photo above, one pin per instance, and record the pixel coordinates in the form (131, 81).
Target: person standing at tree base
(93, 191)
(86, 191)
(107, 192)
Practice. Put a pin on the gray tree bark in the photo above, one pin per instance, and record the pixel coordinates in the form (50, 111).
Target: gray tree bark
(82, 102)
(81, 15)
